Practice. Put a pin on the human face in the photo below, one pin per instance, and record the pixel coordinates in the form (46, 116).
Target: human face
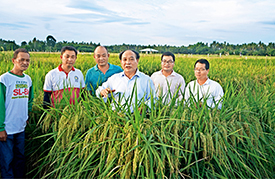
(68, 59)
(201, 72)
(167, 63)
(129, 63)
(101, 56)
(22, 61)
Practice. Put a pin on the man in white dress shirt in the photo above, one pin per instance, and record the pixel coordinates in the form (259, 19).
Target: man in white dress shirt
(204, 89)
(129, 84)
(168, 83)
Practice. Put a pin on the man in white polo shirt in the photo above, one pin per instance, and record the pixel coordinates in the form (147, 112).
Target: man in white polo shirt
(204, 89)
(63, 80)
(168, 83)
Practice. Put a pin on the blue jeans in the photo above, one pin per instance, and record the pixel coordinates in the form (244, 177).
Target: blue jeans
(12, 158)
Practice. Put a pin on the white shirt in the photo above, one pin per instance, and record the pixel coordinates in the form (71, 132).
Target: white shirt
(125, 87)
(57, 80)
(210, 91)
(16, 101)
(167, 87)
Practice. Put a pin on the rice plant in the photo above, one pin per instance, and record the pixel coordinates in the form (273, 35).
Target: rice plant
(90, 140)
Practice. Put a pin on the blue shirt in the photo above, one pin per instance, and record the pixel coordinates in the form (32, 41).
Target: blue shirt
(95, 77)
(125, 87)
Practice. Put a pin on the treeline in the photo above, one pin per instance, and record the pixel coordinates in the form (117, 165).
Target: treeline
(51, 45)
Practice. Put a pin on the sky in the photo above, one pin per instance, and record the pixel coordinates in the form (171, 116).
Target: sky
(140, 22)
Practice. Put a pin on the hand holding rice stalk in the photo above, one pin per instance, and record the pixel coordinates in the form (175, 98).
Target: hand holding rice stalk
(105, 92)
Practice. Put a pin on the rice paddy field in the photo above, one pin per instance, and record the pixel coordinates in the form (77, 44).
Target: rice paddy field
(90, 140)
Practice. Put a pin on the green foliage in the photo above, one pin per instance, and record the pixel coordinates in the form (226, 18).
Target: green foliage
(90, 140)
(51, 45)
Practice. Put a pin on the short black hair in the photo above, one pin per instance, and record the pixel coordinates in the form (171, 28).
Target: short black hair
(203, 61)
(70, 48)
(168, 54)
(137, 54)
(16, 52)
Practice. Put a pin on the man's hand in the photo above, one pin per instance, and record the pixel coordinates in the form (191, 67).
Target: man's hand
(3, 136)
(106, 91)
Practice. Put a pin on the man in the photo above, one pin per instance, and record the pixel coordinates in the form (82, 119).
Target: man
(101, 71)
(63, 80)
(16, 97)
(204, 88)
(167, 82)
(125, 85)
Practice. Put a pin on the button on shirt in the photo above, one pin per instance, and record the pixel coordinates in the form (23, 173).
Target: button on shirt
(166, 87)
(96, 77)
(210, 90)
(124, 87)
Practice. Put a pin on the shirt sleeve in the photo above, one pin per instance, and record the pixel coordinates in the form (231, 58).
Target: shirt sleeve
(47, 100)
(218, 96)
(186, 94)
(182, 88)
(31, 97)
(82, 81)
(88, 81)
(47, 84)
(104, 85)
(151, 92)
(2, 106)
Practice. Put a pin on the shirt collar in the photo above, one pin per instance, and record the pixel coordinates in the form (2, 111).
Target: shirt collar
(60, 69)
(172, 74)
(136, 74)
(110, 67)
(206, 82)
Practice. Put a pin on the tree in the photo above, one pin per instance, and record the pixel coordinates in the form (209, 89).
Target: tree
(50, 41)
(23, 43)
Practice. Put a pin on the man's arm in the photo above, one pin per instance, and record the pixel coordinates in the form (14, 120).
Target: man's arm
(2, 106)
(3, 133)
(105, 89)
(218, 96)
(31, 97)
(47, 100)
(88, 81)
(182, 88)
(151, 92)
(47, 91)
(187, 94)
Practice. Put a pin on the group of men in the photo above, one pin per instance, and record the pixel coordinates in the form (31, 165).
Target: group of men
(102, 80)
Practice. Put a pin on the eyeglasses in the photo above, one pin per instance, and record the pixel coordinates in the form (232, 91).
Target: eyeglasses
(199, 70)
(169, 61)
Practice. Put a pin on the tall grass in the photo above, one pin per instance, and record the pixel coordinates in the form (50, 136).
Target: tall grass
(90, 140)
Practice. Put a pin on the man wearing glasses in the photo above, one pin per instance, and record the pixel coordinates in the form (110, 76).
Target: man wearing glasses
(167, 82)
(204, 89)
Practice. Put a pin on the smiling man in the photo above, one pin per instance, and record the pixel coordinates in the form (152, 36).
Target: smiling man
(16, 97)
(204, 88)
(65, 76)
(101, 71)
(130, 81)
(168, 83)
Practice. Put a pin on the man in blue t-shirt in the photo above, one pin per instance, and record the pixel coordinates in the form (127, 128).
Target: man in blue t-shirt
(101, 71)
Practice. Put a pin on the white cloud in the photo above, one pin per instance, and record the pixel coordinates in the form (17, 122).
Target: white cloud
(174, 22)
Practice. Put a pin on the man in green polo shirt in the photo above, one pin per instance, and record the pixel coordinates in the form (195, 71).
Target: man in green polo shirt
(101, 71)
